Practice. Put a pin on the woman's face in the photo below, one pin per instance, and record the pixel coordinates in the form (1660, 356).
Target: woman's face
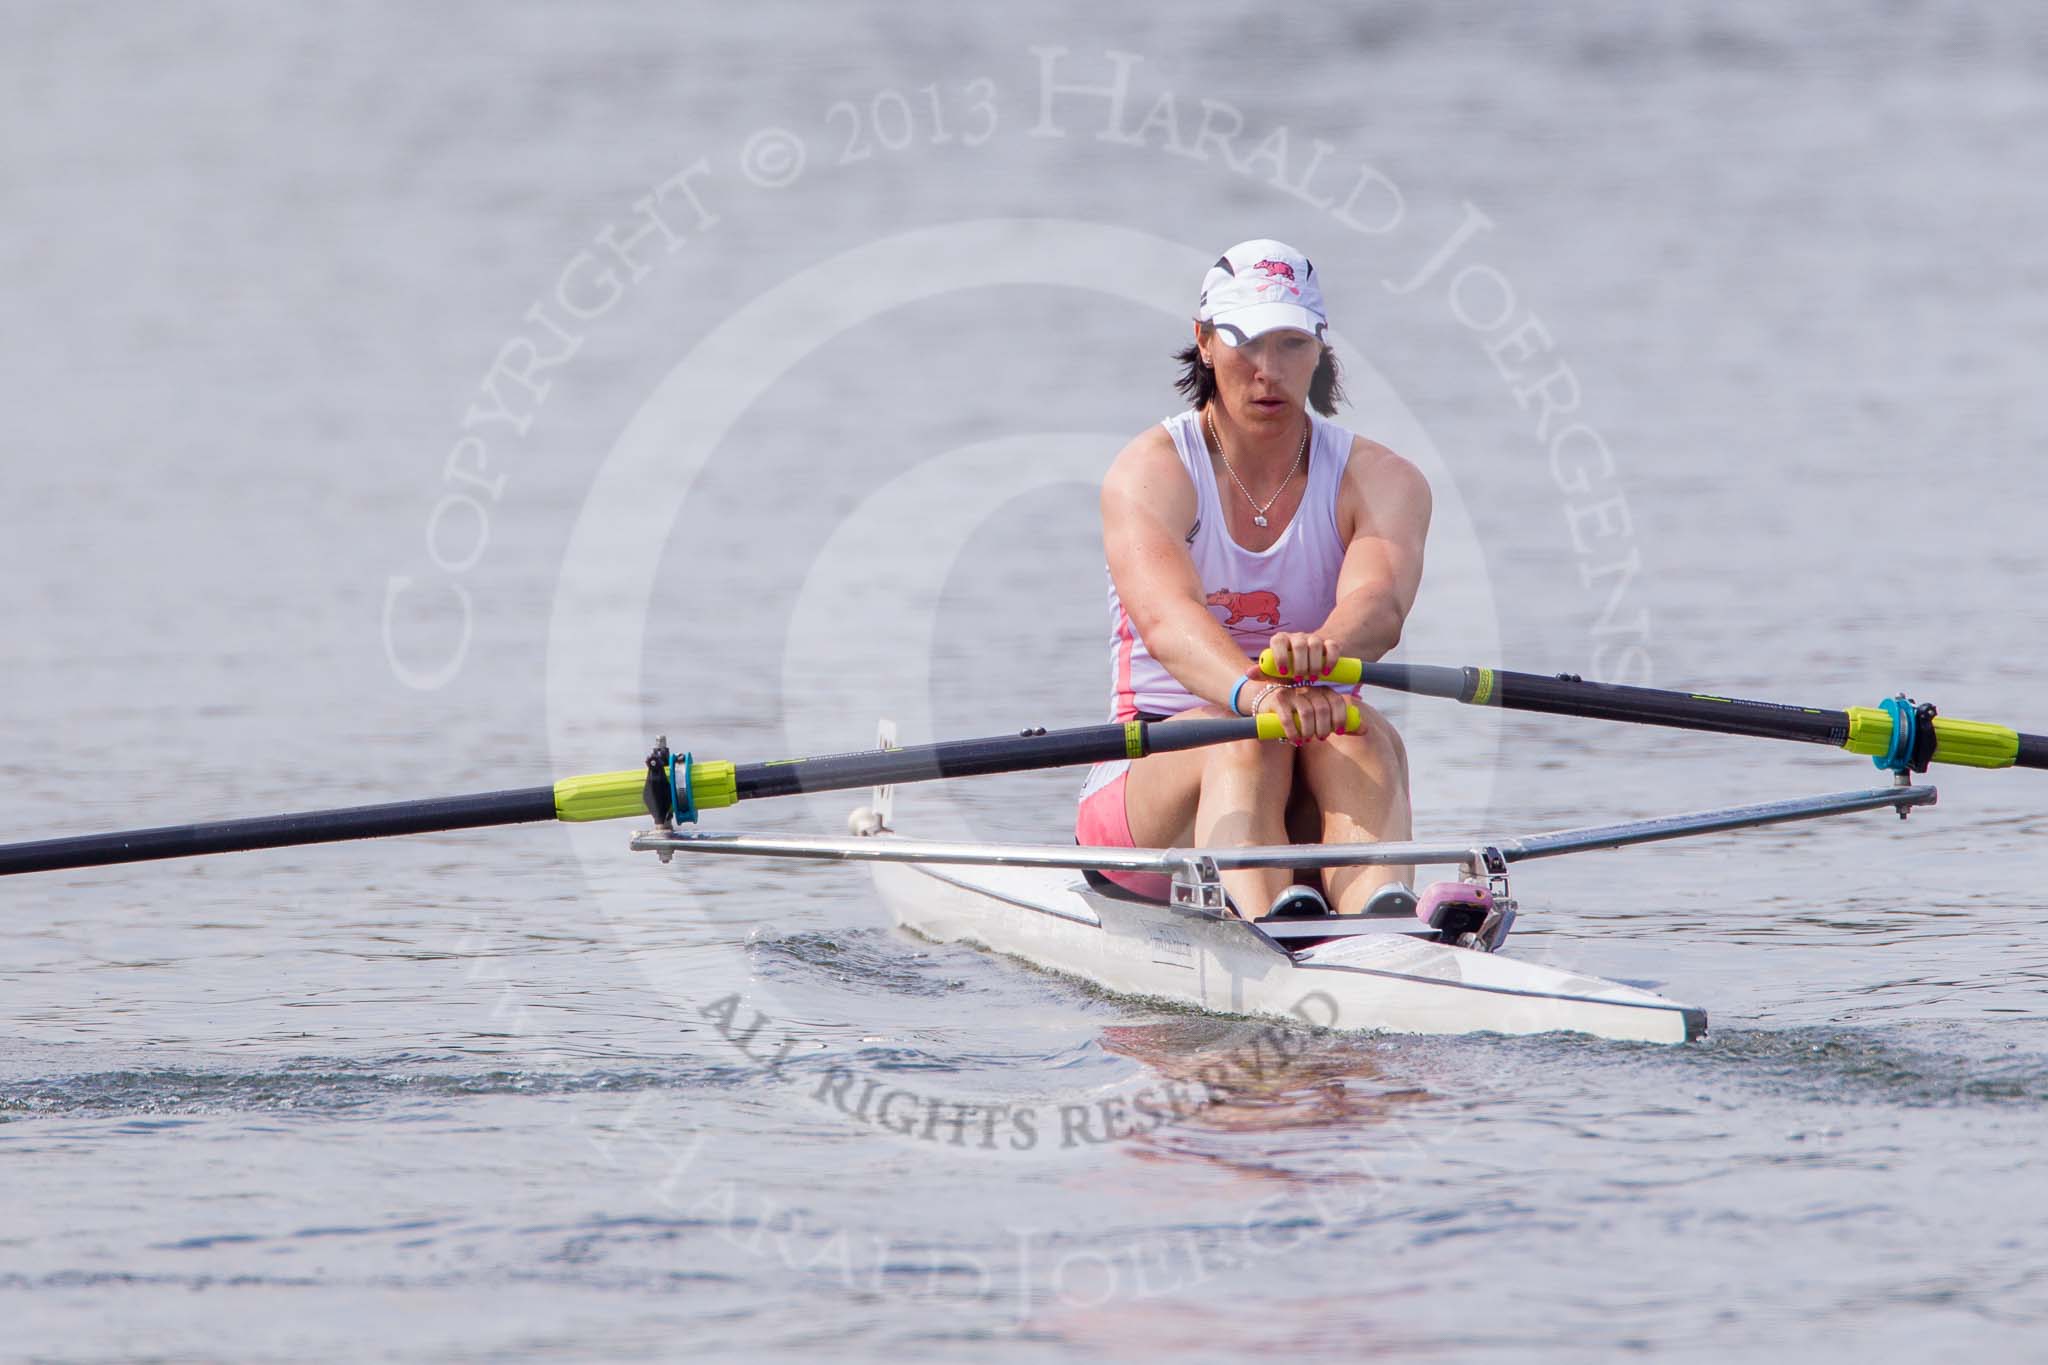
(1265, 380)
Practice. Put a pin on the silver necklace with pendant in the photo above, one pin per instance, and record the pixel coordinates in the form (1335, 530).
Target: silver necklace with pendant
(1258, 512)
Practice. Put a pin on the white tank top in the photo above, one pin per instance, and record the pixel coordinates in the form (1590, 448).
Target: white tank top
(1291, 586)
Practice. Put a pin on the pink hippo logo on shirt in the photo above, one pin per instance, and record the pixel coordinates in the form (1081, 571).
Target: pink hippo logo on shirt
(1248, 606)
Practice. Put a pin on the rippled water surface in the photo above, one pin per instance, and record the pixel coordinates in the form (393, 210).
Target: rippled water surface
(303, 506)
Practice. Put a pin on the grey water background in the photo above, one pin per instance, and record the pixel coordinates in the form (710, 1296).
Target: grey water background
(465, 1097)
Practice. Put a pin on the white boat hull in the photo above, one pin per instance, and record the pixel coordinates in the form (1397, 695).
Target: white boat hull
(1397, 981)
(1028, 900)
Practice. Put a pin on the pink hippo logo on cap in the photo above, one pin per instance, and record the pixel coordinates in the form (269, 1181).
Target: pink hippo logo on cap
(1278, 275)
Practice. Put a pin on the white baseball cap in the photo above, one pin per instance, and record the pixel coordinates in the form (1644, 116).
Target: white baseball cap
(1258, 287)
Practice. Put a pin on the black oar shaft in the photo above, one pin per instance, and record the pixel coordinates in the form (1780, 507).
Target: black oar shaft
(281, 831)
(1028, 751)
(1650, 706)
(619, 794)
(1864, 731)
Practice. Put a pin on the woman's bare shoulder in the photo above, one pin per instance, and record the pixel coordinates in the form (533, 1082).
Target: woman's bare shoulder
(1375, 465)
(1382, 491)
(1149, 454)
(1147, 476)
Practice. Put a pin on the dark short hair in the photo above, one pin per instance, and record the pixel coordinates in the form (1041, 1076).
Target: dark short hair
(1197, 382)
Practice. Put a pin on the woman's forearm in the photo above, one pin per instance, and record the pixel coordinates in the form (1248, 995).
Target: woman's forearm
(1367, 622)
(1188, 642)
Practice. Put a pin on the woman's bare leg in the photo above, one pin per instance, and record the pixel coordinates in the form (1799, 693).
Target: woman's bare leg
(1222, 796)
(1237, 795)
(1360, 784)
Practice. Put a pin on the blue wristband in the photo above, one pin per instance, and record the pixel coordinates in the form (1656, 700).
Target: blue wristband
(1233, 695)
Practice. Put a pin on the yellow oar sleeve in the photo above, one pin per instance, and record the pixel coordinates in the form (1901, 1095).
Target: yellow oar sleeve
(1974, 743)
(600, 796)
(1970, 743)
(614, 796)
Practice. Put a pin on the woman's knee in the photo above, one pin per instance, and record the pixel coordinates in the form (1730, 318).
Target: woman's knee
(1377, 745)
(1268, 759)
(1381, 731)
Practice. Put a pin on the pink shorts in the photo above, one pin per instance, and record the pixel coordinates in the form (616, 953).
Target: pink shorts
(1103, 822)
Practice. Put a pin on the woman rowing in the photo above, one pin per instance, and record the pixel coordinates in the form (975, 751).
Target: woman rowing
(1244, 523)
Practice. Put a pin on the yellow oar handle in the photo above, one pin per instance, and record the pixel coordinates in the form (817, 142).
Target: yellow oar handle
(1269, 724)
(1343, 672)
